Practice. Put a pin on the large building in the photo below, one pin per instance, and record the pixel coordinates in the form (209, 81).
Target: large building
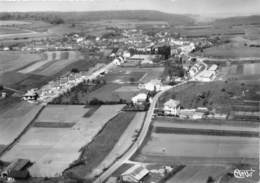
(172, 107)
(135, 174)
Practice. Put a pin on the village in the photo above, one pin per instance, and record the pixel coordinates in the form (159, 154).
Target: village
(128, 105)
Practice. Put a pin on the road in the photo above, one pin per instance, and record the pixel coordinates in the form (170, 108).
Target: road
(138, 142)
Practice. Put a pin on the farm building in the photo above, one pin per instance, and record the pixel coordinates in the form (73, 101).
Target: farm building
(172, 107)
(206, 76)
(31, 95)
(214, 67)
(17, 169)
(135, 174)
(152, 85)
(139, 99)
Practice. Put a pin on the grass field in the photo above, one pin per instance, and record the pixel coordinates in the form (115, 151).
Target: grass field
(53, 63)
(13, 60)
(62, 113)
(229, 51)
(102, 144)
(197, 174)
(48, 146)
(150, 73)
(218, 95)
(13, 22)
(15, 120)
(12, 30)
(188, 148)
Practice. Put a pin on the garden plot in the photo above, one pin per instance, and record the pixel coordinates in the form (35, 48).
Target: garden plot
(48, 147)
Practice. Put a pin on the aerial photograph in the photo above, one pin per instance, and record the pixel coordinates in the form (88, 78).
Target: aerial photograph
(129, 91)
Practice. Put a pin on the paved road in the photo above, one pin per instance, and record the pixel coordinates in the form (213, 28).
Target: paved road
(139, 140)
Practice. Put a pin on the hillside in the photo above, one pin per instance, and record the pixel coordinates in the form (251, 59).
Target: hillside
(239, 20)
(54, 17)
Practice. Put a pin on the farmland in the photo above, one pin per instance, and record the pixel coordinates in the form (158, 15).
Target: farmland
(95, 152)
(198, 174)
(48, 66)
(10, 61)
(227, 51)
(177, 146)
(14, 120)
(52, 157)
(55, 61)
(218, 95)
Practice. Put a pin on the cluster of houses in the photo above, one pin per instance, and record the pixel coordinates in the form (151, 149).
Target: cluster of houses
(64, 84)
(173, 108)
(208, 74)
(195, 69)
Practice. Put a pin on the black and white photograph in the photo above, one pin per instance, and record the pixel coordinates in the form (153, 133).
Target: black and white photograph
(129, 91)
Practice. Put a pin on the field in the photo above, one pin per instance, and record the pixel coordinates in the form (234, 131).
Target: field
(123, 143)
(50, 66)
(54, 62)
(217, 95)
(51, 156)
(226, 51)
(12, 60)
(149, 73)
(14, 120)
(95, 152)
(12, 30)
(197, 174)
(184, 142)
(13, 22)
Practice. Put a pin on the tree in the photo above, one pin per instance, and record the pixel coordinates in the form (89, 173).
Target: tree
(210, 180)
(74, 70)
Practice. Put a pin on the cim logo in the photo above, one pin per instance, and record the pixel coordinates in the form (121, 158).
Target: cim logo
(241, 174)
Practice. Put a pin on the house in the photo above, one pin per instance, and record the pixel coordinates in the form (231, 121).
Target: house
(152, 85)
(135, 174)
(139, 99)
(172, 107)
(214, 67)
(31, 95)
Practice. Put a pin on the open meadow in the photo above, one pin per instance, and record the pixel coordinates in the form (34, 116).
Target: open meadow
(51, 157)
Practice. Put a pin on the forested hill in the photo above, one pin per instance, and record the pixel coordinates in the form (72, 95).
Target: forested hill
(62, 17)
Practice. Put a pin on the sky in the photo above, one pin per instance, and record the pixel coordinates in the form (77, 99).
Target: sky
(200, 7)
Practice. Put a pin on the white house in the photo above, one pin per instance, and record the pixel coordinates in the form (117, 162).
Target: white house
(135, 174)
(140, 98)
(152, 85)
(172, 107)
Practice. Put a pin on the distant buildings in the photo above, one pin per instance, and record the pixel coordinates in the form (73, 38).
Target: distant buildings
(207, 75)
